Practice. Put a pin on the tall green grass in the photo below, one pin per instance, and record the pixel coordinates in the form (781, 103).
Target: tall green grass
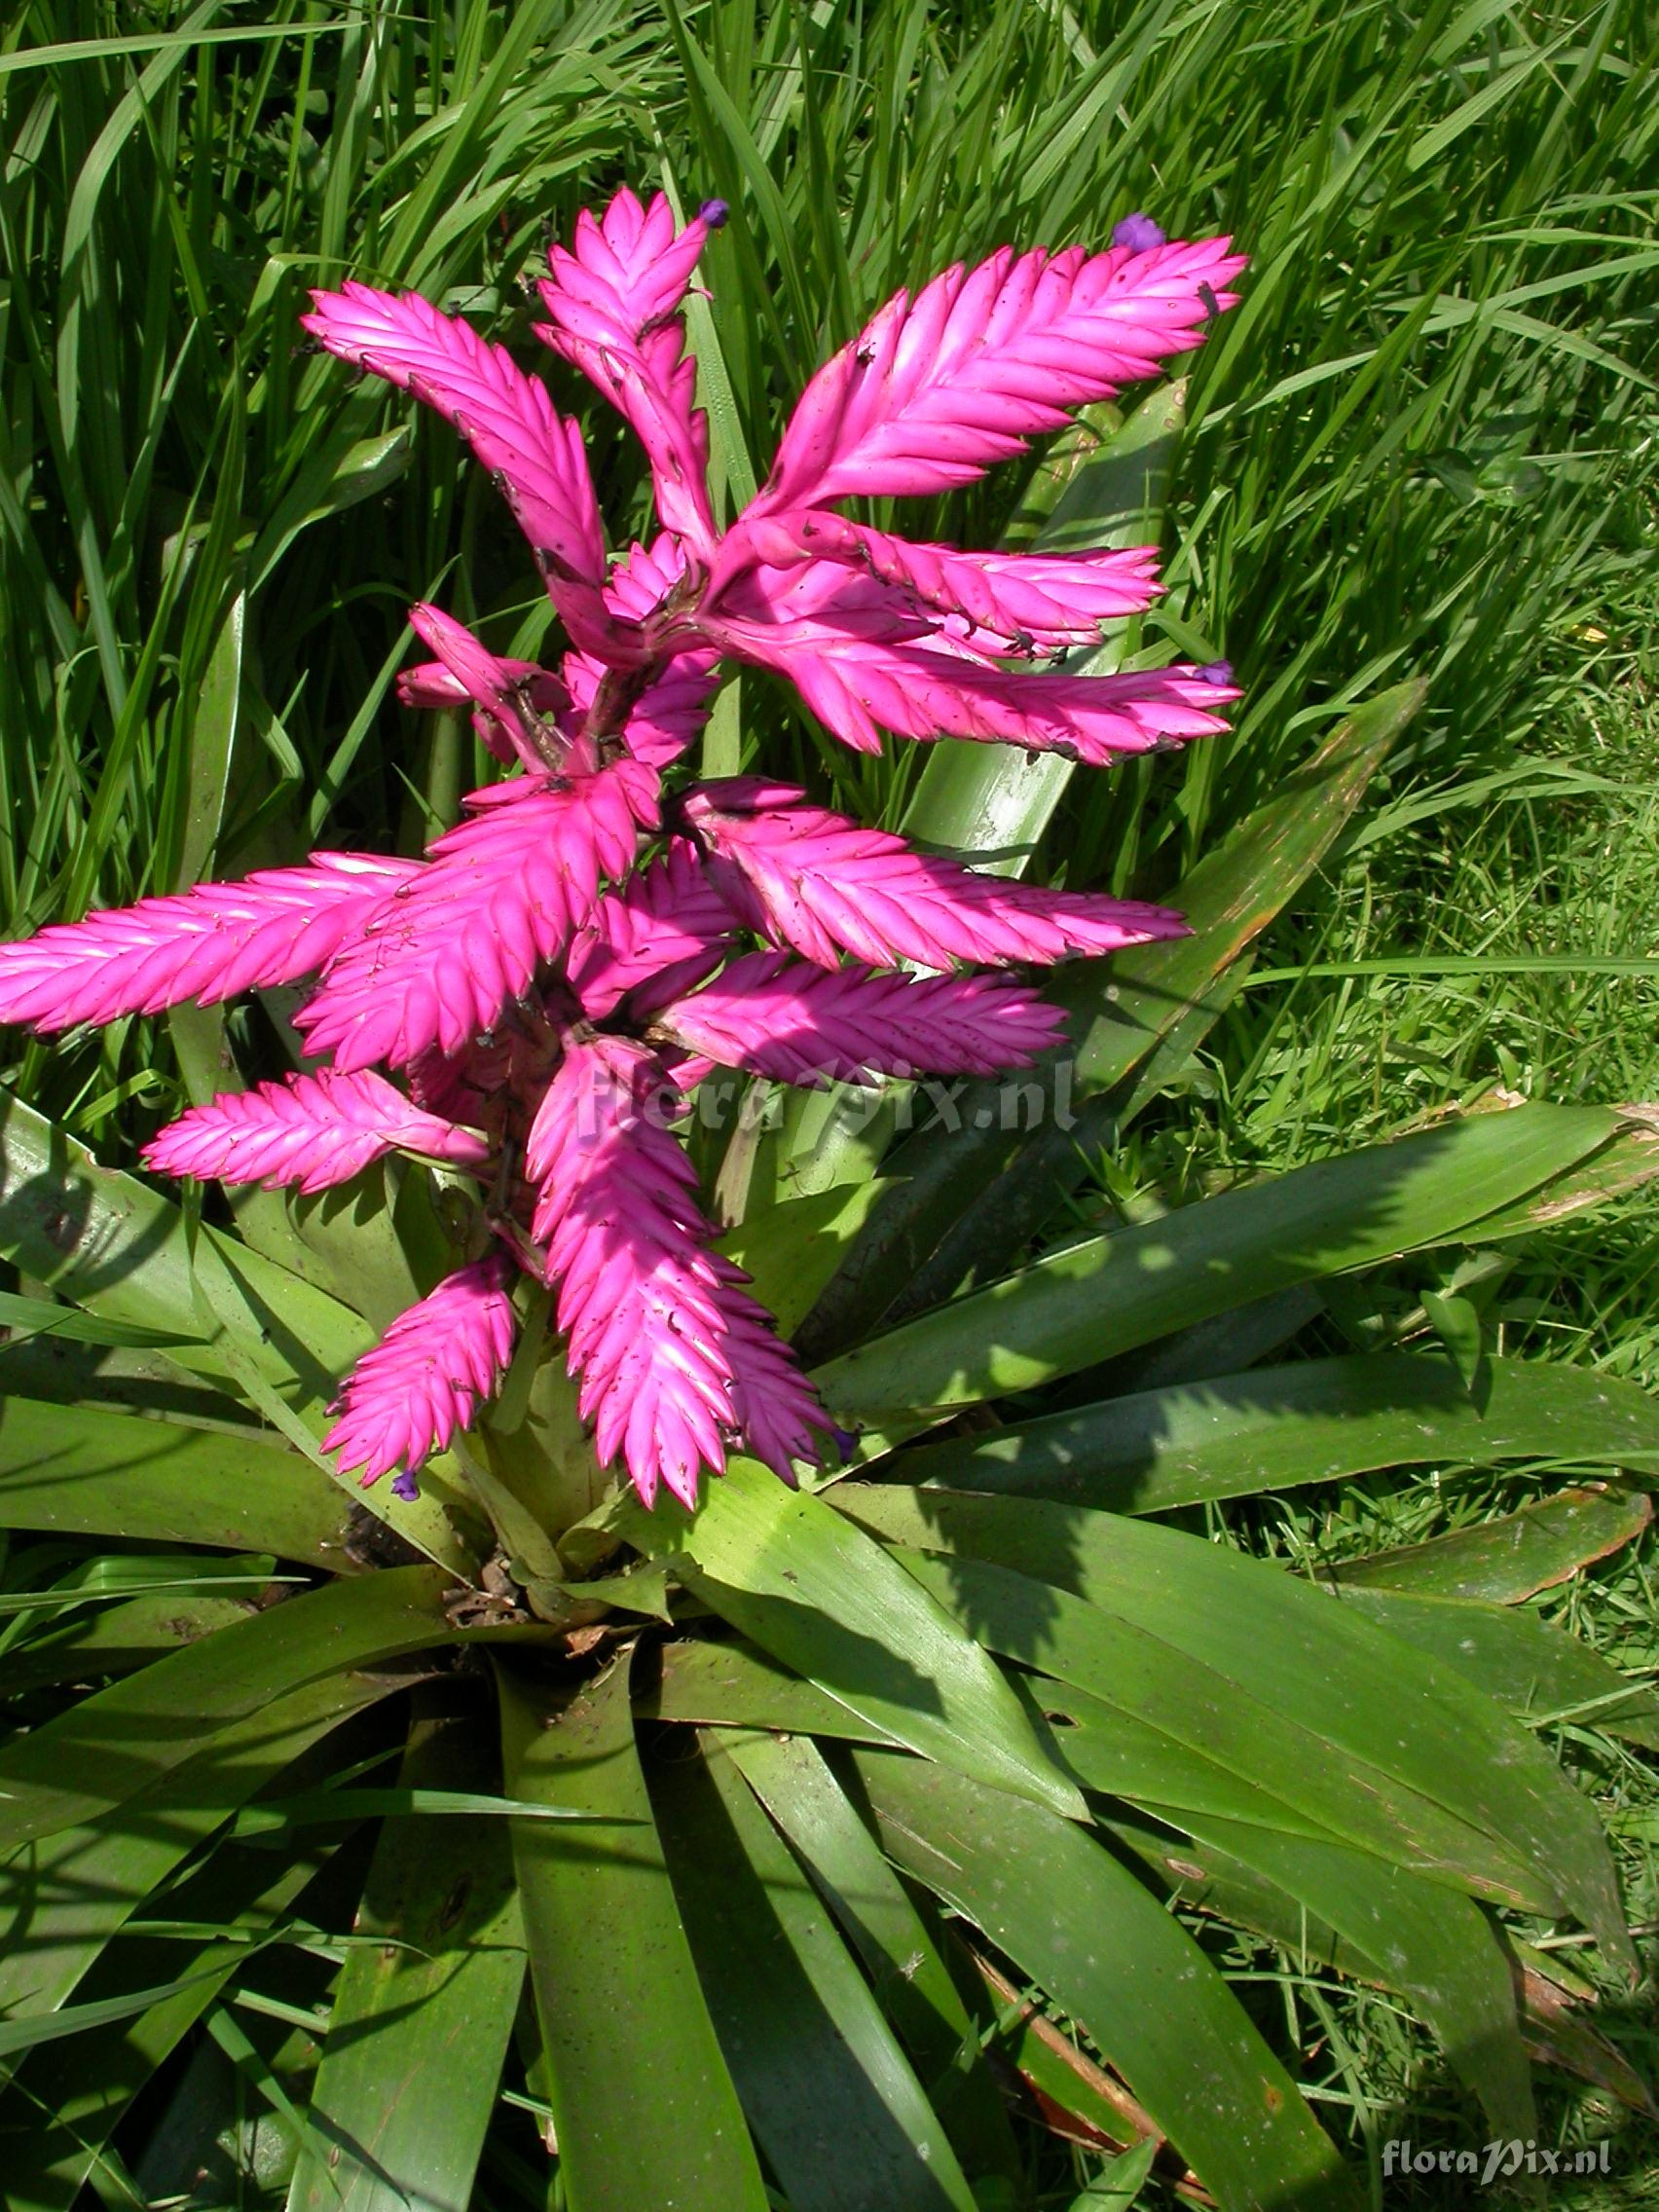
(1422, 444)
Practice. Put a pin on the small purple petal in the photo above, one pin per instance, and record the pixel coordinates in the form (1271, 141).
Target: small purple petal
(1216, 672)
(713, 213)
(846, 1442)
(1139, 232)
(405, 1486)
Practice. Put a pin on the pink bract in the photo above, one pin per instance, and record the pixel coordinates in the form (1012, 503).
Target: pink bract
(561, 971)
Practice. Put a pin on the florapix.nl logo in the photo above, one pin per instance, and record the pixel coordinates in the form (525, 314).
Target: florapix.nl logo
(1499, 2160)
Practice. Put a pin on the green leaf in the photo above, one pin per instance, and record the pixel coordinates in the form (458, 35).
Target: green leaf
(799, 1579)
(832, 2098)
(1190, 1737)
(792, 1248)
(1456, 1322)
(18, 2035)
(87, 1645)
(643, 2106)
(1327, 1905)
(1316, 1421)
(1514, 1557)
(99, 1754)
(1111, 1293)
(119, 1249)
(1109, 1955)
(1294, 1652)
(331, 482)
(1439, 1950)
(968, 1201)
(87, 2088)
(737, 1686)
(329, 1807)
(1117, 2187)
(1541, 1672)
(77, 1470)
(44, 1318)
(83, 1883)
(419, 2022)
(912, 1983)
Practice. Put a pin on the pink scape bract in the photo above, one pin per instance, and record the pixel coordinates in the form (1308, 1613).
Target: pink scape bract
(553, 980)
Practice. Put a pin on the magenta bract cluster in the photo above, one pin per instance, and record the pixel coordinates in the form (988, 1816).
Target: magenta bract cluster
(535, 1001)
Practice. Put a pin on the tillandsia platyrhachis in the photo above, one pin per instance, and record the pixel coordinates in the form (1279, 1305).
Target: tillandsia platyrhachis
(558, 974)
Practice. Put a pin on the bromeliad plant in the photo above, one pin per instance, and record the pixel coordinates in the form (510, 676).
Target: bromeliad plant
(831, 1825)
(565, 968)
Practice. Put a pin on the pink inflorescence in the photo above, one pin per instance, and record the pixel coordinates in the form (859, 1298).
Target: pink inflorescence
(561, 971)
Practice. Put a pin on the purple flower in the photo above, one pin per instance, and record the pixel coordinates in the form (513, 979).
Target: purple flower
(1139, 232)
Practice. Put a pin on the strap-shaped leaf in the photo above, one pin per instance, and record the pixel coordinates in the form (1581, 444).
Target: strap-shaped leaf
(87, 2081)
(1326, 1902)
(84, 1883)
(642, 2105)
(1316, 1421)
(81, 1471)
(802, 1583)
(1109, 1955)
(1513, 1556)
(832, 2099)
(100, 1753)
(1295, 1652)
(420, 2021)
(913, 1985)
(735, 1684)
(1539, 1672)
(1212, 1739)
(1114, 1292)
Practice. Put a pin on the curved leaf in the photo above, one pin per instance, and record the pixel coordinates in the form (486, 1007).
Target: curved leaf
(1541, 1672)
(1110, 1956)
(737, 1686)
(912, 1983)
(74, 1890)
(1438, 1949)
(1294, 1651)
(1513, 1557)
(642, 2105)
(1230, 1749)
(802, 1583)
(831, 2097)
(1316, 1421)
(419, 2022)
(82, 1471)
(119, 1249)
(1114, 1292)
(102, 1752)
